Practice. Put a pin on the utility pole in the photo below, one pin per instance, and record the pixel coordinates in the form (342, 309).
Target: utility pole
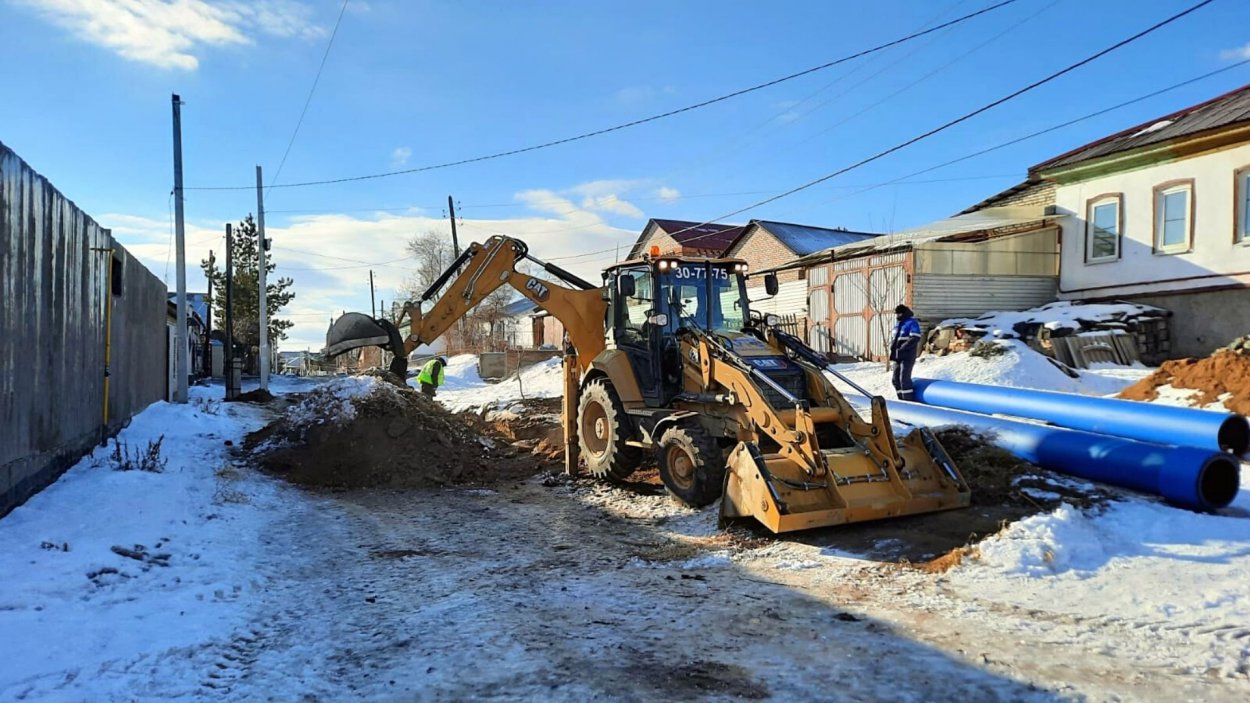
(373, 305)
(263, 246)
(232, 390)
(182, 349)
(455, 243)
(208, 319)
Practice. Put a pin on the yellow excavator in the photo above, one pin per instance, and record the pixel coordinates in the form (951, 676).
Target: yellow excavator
(666, 357)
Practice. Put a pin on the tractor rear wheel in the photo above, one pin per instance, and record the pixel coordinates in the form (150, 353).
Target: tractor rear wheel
(692, 464)
(602, 430)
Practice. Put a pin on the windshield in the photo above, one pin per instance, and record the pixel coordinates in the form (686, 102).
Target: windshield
(709, 296)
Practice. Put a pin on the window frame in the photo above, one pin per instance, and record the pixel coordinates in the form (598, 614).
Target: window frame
(1090, 204)
(1160, 192)
(1241, 206)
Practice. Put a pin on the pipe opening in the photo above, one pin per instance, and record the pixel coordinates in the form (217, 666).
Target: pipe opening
(1218, 481)
(1234, 435)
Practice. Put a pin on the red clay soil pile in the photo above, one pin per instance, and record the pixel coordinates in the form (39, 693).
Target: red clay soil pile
(361, 433)
(1225, 371)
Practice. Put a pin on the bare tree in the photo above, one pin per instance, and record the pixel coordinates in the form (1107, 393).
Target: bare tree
(483, 329)
(432, 253)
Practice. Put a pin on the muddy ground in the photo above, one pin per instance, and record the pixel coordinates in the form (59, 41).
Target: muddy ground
(542, 586)
(400, 439)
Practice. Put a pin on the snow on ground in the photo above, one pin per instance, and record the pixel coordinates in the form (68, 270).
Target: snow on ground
(1060, 315)
(465, 390)
(70, 602)
(1019, 367)
(576, 589)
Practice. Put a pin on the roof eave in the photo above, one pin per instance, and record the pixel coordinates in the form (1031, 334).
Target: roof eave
(1149, 155)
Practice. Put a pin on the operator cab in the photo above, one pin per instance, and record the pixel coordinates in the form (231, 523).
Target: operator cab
(652, 298)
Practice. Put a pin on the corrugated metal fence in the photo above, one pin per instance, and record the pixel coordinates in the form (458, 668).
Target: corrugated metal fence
(54, 272)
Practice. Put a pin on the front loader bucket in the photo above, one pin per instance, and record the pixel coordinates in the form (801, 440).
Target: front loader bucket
(778, 493)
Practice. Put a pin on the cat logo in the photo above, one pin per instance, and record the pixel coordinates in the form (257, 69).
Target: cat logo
(536, 287)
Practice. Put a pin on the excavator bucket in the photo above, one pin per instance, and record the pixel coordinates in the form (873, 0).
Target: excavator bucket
(354, 330)
(782, 496)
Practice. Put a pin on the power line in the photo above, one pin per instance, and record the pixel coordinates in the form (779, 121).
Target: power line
(943, 127)
(1048, 130)
(634, 123)
(684, 196)
(1003, 145)
(308, 100)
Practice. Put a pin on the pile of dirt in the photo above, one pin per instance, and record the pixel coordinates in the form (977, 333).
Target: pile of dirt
(259, 395)
(359, 432)
(1000, 479)
(1227, 371)
(528, 425)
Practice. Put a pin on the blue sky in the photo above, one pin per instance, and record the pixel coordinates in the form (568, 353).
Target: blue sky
(87, 86)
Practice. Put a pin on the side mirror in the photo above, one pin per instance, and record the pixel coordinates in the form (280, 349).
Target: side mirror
(770, 284)
(626, 286)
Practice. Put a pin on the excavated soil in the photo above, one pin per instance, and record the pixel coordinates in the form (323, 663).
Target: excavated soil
(1004, 489)
(1224, 372)
(390, 437)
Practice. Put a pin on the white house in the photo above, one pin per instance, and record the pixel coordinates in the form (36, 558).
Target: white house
(1158, 214)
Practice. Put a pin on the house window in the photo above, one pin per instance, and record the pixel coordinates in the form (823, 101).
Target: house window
(1102, 228)
(1241, 191)
(1174, 214)
(115, 276)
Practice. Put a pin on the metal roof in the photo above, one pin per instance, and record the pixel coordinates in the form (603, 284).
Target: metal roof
(803, 239)
(701, 236)
(968, 223)
(1225, 110)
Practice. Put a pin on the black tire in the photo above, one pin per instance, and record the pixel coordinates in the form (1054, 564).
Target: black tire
(602, 430)
(692, 464)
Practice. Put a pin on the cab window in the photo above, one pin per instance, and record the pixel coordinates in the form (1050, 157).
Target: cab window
(633, 310)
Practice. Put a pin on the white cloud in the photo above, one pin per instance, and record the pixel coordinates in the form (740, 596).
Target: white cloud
(613, 204)
(1237, 54)
(606, 196)
(400, 156)
(667, 194)
(171, 34)
(330, 255)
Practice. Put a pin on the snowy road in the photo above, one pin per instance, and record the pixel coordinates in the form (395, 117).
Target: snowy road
(553, 593)
(531, 593)
(248, 589)
(586, 592)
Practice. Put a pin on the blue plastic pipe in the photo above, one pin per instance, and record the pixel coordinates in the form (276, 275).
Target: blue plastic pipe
(1120, 418)
(1186, 476)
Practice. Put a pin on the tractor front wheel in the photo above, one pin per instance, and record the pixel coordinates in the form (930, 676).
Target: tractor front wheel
(692, 464)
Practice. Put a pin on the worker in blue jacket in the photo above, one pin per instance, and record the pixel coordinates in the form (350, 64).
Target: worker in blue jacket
(903, 349)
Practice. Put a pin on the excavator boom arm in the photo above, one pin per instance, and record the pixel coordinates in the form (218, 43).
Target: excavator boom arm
(477, 273)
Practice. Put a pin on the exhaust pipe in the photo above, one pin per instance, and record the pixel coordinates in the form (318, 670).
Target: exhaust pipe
(1185, 476)
(1217, 431)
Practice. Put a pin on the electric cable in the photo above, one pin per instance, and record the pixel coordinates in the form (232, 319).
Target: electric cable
(308, 100)
(633, 123)
(943, 127)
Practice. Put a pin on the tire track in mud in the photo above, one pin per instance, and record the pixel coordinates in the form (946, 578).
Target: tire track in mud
(531, 592)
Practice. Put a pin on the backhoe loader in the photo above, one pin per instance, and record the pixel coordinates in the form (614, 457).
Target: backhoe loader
(666, 358)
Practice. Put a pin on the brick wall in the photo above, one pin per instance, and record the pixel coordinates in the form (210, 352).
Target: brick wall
(1040, 193)
(762, 251)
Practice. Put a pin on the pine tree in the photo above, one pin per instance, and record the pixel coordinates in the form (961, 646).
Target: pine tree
(246, 293)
